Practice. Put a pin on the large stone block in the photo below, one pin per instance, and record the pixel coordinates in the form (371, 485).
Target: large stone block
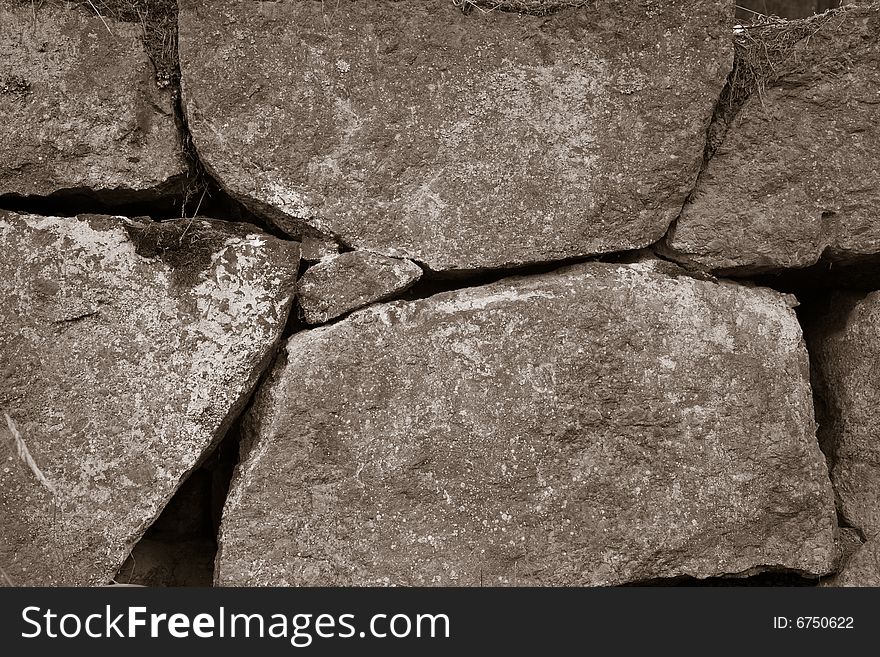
(484, 140)
(81, 109)
(128, 346)
(844, 340)
(798, 173)
(596, 425)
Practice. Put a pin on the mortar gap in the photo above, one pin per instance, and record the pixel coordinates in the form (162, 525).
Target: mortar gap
(749, 10)
(179, 548)
(72, 202)
(434, 282)
(203, 195)
(777, 577)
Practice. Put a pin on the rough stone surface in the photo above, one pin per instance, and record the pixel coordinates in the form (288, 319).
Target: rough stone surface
(862, 569)
(127, 348)
(81, 109)
(798, 173)
(342, 283)
(459, 141)
(595, 425)
(848, 543)
(315, 249)
(845, 347)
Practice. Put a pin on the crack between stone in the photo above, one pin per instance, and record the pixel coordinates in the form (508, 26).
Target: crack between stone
(766, 575)
(845, 523)
(433, 283)
(812, 310)
(429, 286)
(205, 193)
(716, 130)
(520, 7)
(221, 458)
(227, 440)
(159, 204)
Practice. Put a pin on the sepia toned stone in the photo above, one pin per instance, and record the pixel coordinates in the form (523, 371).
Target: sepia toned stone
(81, 109)
(458, 140)
(342, 283)
(128, 347)
(798, 173)
(596, 425)
(844, 337)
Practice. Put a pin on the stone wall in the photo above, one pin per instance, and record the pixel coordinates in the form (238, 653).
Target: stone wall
(423, 292)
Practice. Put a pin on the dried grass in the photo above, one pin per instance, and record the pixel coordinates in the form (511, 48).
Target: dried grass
(158, 21)
(771, 47)
(766, 50)
(25, 456)
(157, 18)
(533, 7)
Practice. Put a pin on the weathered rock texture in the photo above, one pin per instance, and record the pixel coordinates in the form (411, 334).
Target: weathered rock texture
(604, 423)
(596, 425)
(81, 109)
(127, 348)
(342, 283)
(862, 569)
(460, 141)
(845, 346)
(848, 543)
(798, 173)
(315, 249)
